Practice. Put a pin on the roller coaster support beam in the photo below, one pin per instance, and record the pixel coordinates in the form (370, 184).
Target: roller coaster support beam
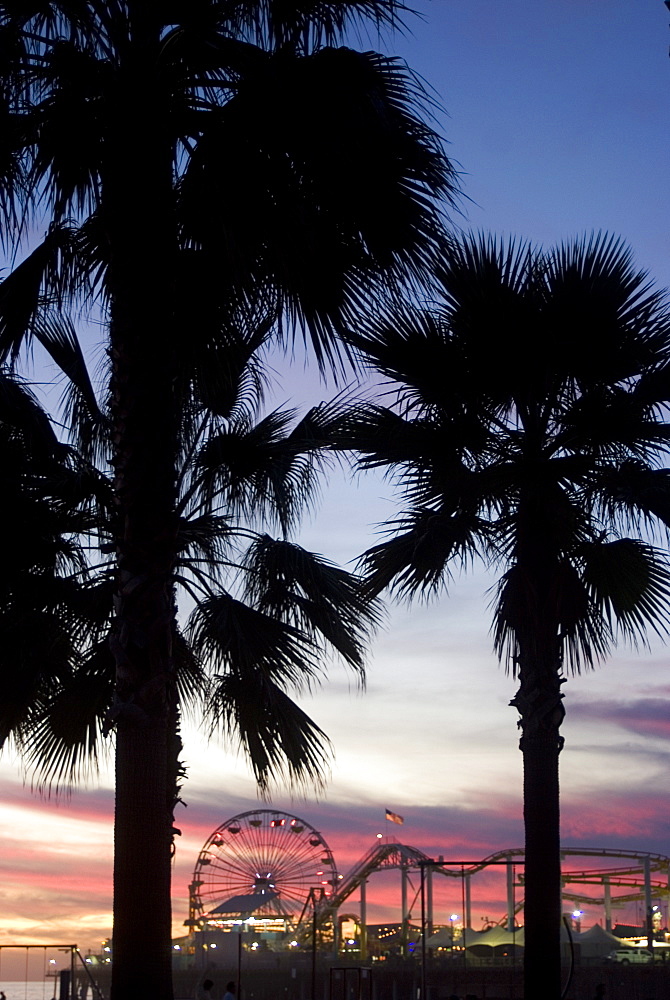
(510, 895)
(403, 903)
(646, 861)
(468, 902)
(608, 904)
(364, 920)
(429, 899)
(424, 873)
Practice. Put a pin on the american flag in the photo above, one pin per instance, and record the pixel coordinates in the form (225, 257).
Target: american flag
(394, 817)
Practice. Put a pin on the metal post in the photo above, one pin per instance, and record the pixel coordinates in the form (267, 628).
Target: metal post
(607, 888)
(429, 899)
(423, 931)
(403, 905)
(364, 920)
(239, 964)
(647, 900)
(313, 945)
(468, 902)
(510, 895)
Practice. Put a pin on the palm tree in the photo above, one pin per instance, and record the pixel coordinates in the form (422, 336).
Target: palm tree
(527, 431)
(266, 611)
(301, 173)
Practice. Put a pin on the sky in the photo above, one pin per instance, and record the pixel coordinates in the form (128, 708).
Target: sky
(557, 115)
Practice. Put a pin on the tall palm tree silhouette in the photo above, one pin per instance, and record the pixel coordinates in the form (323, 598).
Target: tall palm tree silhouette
(528, 431)
(299, 172)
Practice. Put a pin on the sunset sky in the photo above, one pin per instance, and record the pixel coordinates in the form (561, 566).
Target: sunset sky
(558, 116)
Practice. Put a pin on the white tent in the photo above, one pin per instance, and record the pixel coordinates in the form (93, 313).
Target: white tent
(495, 936)
(492, 936)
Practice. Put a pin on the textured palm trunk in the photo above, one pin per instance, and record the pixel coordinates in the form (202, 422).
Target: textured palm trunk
(539, 702)
(138, 217)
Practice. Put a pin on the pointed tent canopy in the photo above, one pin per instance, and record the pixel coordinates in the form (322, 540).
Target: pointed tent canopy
(244, 905)
(595, 941)
(492, 936)
(495, 936)
(442, 938)
(597, 933)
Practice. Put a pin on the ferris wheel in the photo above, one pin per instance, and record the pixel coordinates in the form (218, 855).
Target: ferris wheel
(263, 853)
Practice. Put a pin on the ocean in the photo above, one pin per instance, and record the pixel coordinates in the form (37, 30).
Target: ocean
(27, 990)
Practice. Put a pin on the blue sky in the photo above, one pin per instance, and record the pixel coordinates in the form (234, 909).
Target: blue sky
(558, 116)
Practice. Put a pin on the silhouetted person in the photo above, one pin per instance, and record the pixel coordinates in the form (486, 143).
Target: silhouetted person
(230, 991)
(204, 991)
(600, 992)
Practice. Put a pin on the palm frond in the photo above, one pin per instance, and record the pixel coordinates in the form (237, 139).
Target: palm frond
(191, 677)
(264, 470)
(611, 322)
(417, 560)
(305, 25)
(628, 581)
(65, 742)
(325, 603)
(233, 637)
(277, 736)
(375, 171)
(635, 493)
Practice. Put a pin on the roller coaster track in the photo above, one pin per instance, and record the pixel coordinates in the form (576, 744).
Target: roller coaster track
(392, 854)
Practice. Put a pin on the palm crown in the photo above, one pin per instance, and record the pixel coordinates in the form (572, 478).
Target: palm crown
(302, 167)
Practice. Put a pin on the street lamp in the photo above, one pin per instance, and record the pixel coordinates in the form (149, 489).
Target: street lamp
(577, 918)
(452, 917)
(315, 896)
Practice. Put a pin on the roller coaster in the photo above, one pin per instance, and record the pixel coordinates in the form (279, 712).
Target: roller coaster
(279, 867)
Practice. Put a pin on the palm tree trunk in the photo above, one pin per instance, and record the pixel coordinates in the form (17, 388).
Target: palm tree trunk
(139, 223)
(542, 907)
(539, 702)
(144, 702)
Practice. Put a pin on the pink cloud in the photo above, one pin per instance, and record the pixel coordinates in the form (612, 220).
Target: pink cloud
(644, 716)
